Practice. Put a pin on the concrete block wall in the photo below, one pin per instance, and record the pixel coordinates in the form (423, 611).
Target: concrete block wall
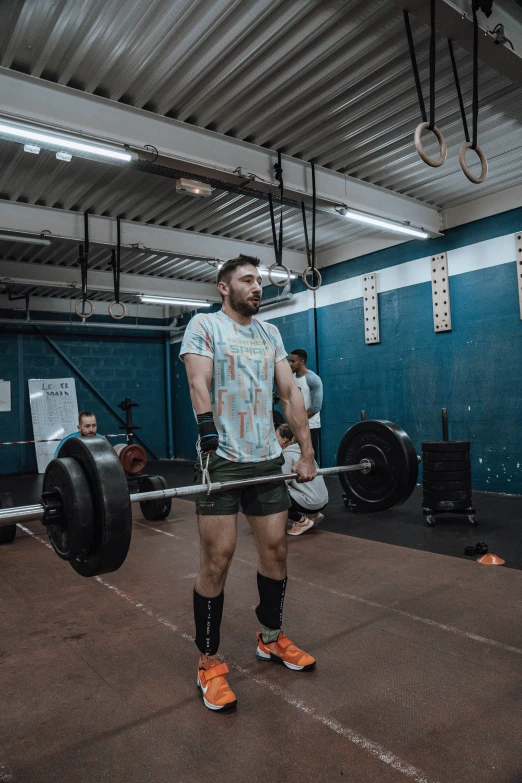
(117, 365)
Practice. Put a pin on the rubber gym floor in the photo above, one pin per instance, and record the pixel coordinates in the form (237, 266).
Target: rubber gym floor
(419, 649)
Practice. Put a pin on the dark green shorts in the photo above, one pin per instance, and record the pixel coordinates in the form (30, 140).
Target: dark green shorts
(259, 500)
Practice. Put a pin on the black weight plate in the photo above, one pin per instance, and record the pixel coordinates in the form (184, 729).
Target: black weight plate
(72, 535)
(394, 465)
(455, 475)
(154, 509)
(447, 456)
(434, 497)
(445, 445)
(445, 486)
(111, 503)
(446, 467)
(8, 532)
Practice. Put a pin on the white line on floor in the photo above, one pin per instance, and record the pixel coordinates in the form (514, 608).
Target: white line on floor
(441, 626)
(411, 772)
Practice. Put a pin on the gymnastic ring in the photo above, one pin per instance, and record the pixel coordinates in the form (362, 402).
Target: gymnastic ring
(420, 149)
(305, 281)
(464, 166)
(84, 301)
(275, 282)
(123, 312)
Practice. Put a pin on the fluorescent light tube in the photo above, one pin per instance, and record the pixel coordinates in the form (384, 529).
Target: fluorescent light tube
(168, 300)
(264, 273)
(26, 240)
(389, 225)
(277, 275)
(63, 142)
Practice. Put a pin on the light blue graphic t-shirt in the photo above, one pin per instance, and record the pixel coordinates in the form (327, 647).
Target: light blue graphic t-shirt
(241, 391)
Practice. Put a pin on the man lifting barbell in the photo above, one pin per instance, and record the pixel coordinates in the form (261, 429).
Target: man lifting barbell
(232, 359)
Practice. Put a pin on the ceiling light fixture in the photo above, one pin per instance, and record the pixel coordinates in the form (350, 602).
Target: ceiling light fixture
(170, 300)
(387, 225)
(62, 142)
(193, 188)
(26, 240)
(32, 148)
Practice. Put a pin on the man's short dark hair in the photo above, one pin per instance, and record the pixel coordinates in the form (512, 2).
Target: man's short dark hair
(84, 414)
(225, 273)
(301, 353)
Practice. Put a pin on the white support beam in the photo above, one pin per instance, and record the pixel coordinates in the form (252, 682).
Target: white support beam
(59, 277)
(486, 206)
(43, 304)
(54, 106)
(102, 230)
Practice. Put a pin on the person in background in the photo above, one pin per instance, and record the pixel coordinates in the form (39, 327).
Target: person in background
(308, 499)
(311, 387)
(87, 428)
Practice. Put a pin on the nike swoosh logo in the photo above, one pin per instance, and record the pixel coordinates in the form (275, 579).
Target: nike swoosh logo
(202, 688)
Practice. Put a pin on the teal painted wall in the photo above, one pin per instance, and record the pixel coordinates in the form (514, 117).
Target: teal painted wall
(118, 364)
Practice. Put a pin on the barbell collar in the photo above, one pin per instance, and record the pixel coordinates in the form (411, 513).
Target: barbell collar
(37, 512)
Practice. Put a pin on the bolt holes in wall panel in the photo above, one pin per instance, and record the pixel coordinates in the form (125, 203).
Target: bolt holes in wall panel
(440, 293)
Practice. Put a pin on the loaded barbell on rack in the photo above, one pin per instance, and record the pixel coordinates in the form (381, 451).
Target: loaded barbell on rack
(86, 506)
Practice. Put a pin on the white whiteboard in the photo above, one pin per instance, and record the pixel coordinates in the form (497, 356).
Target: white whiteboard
(5, 396)
(54, 411)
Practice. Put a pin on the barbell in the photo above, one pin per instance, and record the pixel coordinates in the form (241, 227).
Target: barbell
(86, 507)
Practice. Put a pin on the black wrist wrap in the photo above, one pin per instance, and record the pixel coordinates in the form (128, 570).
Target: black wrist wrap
(208, 434)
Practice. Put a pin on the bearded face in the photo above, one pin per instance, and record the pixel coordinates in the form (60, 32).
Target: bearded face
(244, 303)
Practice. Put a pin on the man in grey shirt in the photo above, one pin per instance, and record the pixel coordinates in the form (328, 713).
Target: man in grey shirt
(311, 387)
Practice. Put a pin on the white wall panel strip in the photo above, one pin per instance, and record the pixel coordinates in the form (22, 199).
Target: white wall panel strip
(472, 258)
(440, 292)
(371, 309)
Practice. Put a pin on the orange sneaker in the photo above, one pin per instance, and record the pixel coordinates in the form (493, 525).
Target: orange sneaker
(302, 526)
(284, 651)
(217, 695)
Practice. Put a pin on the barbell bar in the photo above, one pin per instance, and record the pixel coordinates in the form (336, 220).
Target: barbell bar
(87, 509)
(39, 513)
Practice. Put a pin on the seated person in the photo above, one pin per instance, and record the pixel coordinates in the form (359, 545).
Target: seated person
(308, 499)
(86, 428)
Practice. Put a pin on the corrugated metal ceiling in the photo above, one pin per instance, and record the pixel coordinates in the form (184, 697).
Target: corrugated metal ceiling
(329, 81)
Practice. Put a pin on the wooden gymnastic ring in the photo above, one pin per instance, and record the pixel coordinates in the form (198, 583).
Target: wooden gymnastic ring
(464, 166)
(420, 149)
(275, 282)
(83, 301)
(123, 313)
(307, 284)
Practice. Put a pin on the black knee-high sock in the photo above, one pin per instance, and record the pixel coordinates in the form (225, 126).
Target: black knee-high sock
(207, 617)
(271, 598)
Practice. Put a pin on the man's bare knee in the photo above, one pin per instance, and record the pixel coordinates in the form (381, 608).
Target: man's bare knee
(274, 552)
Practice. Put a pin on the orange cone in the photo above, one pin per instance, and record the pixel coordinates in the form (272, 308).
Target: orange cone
(491, 560)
